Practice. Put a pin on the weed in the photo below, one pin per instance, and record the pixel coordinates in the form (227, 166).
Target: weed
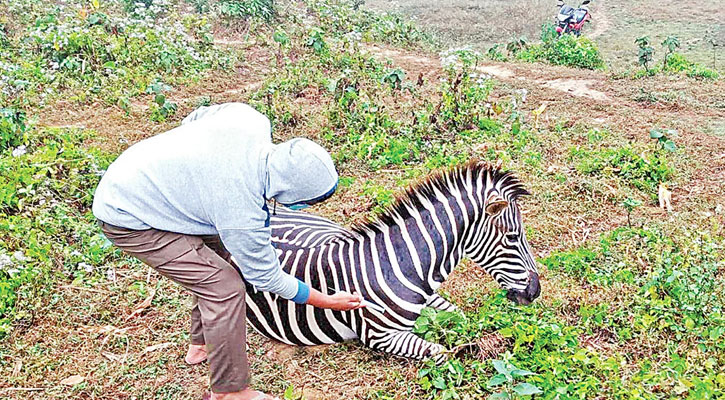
(161, 107)
(664, 138)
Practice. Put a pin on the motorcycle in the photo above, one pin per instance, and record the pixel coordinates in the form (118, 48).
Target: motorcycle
(571, 20)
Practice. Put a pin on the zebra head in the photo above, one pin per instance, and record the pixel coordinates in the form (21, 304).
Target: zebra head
(497, 240)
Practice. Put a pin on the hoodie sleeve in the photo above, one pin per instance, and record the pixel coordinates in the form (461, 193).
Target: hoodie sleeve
(256, 257)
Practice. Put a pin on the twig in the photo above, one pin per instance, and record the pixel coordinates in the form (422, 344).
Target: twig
(19, 389)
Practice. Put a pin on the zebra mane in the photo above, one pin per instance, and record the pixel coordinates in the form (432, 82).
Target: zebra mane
(508, 185)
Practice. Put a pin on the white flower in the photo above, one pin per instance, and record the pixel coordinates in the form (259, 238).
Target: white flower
(5, 260)
(19, 151)
(111, 274)
(523, 93)
(76, 253)
(86, 267)
(20, 256)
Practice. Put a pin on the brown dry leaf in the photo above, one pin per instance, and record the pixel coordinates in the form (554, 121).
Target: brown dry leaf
(72, 380)
(144, 305)
(665, 197)
(157, 347)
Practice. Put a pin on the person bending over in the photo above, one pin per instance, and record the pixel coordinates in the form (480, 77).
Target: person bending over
(192, 204)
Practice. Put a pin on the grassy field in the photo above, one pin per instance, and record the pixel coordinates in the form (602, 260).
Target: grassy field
(632, 298)
(615, 24)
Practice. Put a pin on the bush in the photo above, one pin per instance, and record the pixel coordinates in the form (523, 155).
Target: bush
(676, 62)
(568, 50)
(259, 9)
(641, 170)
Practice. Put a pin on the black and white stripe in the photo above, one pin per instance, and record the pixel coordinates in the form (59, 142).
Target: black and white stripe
(397, 261)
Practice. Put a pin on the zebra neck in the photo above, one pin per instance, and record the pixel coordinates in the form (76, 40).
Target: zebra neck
(427, 237)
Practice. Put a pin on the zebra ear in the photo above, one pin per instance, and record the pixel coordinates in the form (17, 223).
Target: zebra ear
(495, 204)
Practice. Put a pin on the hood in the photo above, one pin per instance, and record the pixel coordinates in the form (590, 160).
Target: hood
(299, 170)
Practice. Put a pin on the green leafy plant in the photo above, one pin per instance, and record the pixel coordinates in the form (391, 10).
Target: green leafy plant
(516, 45)
(645, 51)
(12, 128)
(244, 9)
(394, 78)
(504, 381)
(671, 43)
(161, 107)
(495, 53)
(316, 40)
(643, 170)
(630, 204)
(569, 50)
(664, 138)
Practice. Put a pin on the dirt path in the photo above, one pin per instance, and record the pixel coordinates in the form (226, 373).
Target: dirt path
(602, 22)
(507, 72)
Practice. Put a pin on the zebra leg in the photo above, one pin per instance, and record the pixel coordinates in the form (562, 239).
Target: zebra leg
(441, 304)
(407, 344)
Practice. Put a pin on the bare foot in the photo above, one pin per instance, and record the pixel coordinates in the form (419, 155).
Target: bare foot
(247, 394)
(196, 354)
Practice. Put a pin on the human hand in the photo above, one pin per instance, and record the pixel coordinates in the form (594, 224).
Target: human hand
(340, 301)
(344, 301)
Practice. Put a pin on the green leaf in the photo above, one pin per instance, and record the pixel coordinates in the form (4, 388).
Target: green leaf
(525, 389)
(281, 37)
(501, 367)
(439, 383)
(496, 380)
(288, 392)
(499, 396)
(656, 134)
(521, 372)
(506, 332)
(160, 99)
(670, 146)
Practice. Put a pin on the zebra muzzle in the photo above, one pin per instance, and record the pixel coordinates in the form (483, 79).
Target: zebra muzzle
(528, 295)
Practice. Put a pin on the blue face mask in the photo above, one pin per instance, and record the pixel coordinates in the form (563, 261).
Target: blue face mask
(298, 206)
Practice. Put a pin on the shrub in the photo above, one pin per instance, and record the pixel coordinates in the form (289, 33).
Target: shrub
(568, 50)
(644, 171)
(679, 63)
(244, 9)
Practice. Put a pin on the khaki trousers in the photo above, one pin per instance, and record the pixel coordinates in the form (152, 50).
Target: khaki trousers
(203, 266)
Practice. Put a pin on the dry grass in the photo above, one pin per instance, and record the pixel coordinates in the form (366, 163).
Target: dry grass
(478, 23)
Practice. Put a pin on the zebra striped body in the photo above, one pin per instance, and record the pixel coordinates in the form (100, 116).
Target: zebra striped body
(397, 262)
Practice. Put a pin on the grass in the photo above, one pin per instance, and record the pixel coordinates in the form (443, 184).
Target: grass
(630, 307)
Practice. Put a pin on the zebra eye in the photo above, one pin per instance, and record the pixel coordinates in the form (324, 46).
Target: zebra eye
(512, 236)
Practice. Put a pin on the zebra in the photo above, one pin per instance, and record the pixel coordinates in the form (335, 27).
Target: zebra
(398, 260)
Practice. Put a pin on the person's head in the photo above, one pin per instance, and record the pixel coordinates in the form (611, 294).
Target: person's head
(300, 173)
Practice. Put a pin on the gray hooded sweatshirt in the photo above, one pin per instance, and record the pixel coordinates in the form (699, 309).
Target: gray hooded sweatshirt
(213, 175)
